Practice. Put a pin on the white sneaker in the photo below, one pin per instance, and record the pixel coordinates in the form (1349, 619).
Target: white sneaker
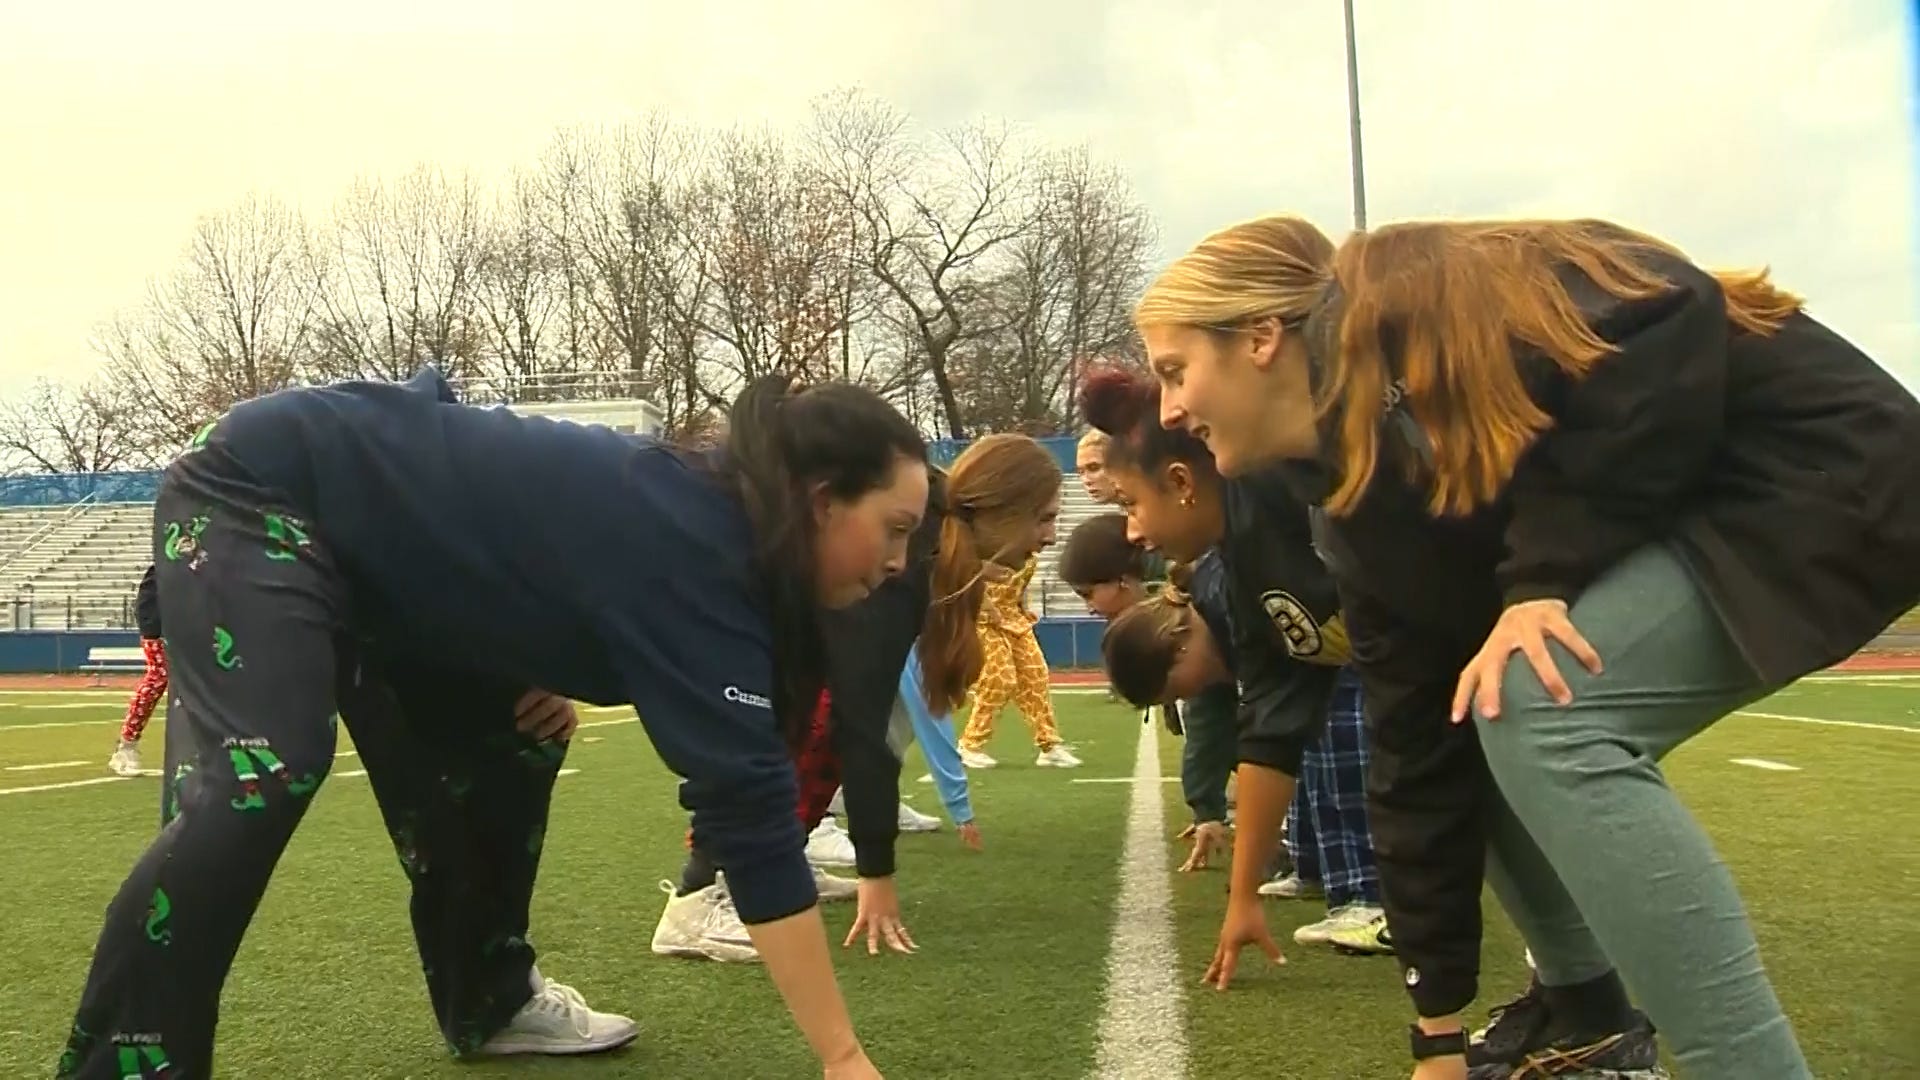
(829, 845)
(912, 820)
(556, 1020)
(125, 760)
(703, 924)
(1353, 915)
(832, 888)
(1292, 887)
(975, 759)
(927, 779)
(1057, 758)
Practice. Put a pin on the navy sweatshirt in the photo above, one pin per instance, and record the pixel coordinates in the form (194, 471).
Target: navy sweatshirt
(602, 566)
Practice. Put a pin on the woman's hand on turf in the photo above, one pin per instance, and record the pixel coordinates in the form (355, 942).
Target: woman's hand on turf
(1244, 925)
(543, 716)
(1523, 628)
(970, 836)
(879, 917)
(1209, 837)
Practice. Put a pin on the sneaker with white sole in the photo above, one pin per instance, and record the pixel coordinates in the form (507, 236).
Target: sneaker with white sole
(833, 888)
(829, 845)
(1340, 918)
(1372, 938)
(1293, 887)
(912, 820)
(125, 760)
(976, 759)
(557, 1020)
(1058, 757)
(703, 924)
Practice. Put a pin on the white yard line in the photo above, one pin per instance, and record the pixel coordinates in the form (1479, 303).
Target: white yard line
(62, 787)
(1832, 723)
(1143, 1025)
(1763, 763)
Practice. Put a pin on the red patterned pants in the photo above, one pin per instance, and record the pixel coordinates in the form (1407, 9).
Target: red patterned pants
(153, 687)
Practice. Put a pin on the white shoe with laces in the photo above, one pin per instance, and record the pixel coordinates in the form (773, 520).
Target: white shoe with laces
(1343, 918)
(832, 888)
(703, 924)
(976, 759)
(125, 760)
(557, 1020)
(1058, 757)
(912, 820)
(829, 845)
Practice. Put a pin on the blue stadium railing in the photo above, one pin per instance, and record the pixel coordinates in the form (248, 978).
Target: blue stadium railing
(64, 489)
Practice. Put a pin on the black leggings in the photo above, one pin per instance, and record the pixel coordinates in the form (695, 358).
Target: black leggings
(265, 663)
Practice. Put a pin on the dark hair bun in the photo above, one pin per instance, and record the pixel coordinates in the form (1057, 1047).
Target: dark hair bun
(1115, 399)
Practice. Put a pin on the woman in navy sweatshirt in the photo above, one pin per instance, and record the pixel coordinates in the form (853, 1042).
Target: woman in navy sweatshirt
(1584, 499)
(314, 526)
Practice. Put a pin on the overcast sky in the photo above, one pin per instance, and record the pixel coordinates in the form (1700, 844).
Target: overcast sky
(1785, 137)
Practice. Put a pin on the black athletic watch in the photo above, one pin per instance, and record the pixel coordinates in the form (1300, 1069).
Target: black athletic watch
(1432, 1046)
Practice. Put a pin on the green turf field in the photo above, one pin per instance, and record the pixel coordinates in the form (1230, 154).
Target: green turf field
(1013, 968)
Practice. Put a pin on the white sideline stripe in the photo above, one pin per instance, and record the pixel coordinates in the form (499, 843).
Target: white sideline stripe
(1143, 1025)
(1763, 763)
(60, 787)
(48, 765)
(1834, 723)
(1123, 780)
(4, 728)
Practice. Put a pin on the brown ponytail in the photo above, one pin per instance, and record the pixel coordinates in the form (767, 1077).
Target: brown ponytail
(996, 491)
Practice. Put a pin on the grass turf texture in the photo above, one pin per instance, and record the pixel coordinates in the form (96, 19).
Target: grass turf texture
(1010, 977)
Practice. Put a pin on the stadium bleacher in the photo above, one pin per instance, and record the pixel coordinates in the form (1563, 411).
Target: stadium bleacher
(72, 567)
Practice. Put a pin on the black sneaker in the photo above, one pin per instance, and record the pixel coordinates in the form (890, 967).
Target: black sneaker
(1512, 1029)
(1633, 1054)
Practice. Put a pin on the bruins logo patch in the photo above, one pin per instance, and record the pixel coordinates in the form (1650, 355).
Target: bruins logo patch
(1307, 640)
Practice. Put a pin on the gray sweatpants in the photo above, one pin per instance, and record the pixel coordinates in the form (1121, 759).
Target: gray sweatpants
(1597, 861)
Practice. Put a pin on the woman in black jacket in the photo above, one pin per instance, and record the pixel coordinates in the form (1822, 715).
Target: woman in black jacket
(1671, 492)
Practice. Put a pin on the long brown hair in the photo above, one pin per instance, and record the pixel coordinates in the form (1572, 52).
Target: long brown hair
(996, 490)
(1451, 300)
(1142, 644)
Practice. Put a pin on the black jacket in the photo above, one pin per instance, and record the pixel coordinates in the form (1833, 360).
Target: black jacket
(867, 647)
(146, 606)
(1289, 639)
(1785, 470)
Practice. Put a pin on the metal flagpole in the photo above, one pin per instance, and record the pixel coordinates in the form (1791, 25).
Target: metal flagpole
(1353, 126)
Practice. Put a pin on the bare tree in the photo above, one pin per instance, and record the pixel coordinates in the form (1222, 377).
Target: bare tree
(394, 278)
(770, 242)
(59, 428)
(230, 324)
(1066, 293)
(519, 288)
(930, 223)
(959, 273)
(620, 199)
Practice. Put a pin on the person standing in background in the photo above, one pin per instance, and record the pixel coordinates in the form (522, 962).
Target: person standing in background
(153, 682)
